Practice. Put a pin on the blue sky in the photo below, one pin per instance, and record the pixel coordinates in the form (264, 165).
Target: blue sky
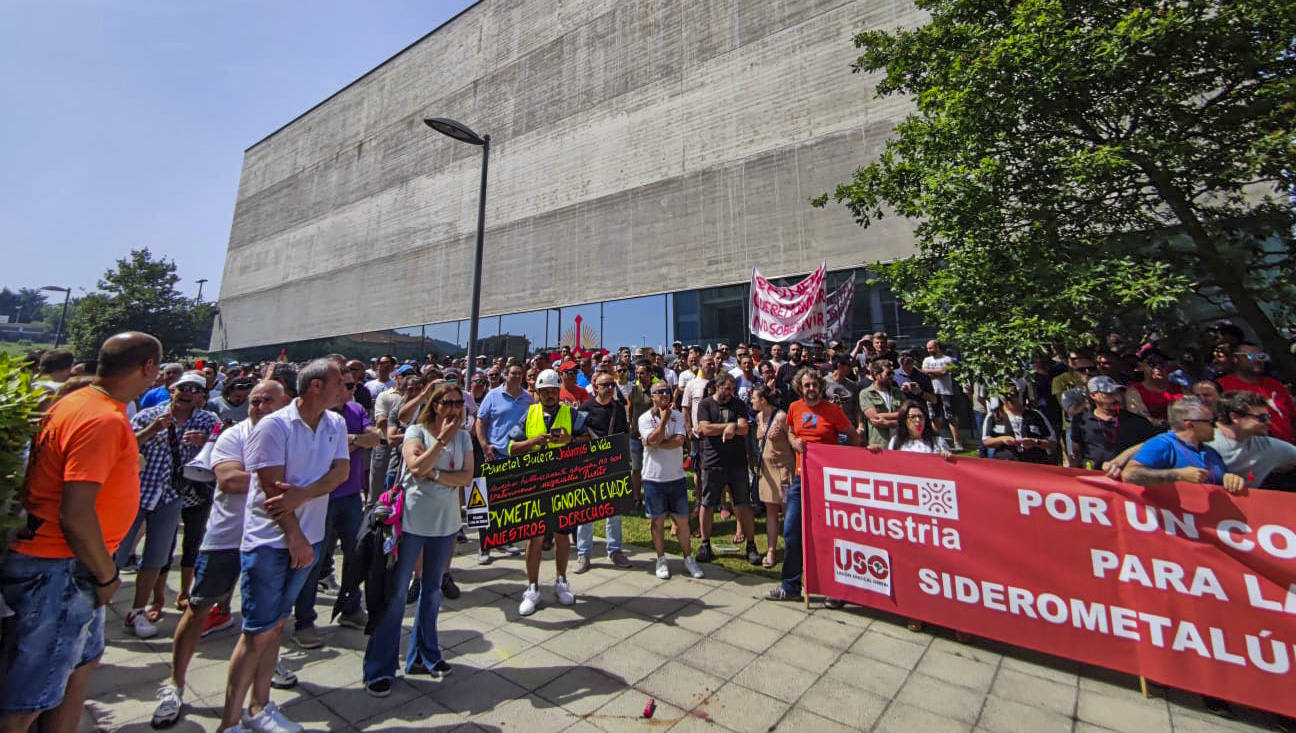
(125, 122)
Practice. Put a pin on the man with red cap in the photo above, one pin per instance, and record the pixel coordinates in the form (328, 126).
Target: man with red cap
(571, 394)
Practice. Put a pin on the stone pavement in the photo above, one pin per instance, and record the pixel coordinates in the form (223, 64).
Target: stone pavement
(710, 652)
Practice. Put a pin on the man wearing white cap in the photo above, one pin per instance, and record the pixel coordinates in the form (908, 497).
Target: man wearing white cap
(547, 424)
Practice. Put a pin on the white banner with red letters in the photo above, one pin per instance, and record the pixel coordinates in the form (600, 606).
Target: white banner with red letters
(794, 313)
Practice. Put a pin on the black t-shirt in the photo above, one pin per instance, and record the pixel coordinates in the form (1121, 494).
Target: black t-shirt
(604, 420)
(1099, 440)
(716, 451)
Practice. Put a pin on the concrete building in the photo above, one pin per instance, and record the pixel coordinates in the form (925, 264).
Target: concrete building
(641, 149)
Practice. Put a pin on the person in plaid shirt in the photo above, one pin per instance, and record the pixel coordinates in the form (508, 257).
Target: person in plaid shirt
(169, 436)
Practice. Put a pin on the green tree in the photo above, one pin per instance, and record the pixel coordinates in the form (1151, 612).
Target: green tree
(29, 303)
(1069, 163)
(19, 400)
(138, 295)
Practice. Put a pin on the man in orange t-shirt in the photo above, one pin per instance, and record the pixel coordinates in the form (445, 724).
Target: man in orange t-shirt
(571, 394)
(811, 419)
(82, 495)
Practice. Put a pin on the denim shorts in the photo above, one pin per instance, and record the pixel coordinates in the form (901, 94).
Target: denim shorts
(271, 585)
(665, 497)
(215, 573)
(55, 629)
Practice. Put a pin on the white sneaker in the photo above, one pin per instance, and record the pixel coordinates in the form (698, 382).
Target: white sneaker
(563, 592)
(237, 728)
(691, 566)
(283, 678)
(271, 720)
(663, 570)
(170, 701)
(484, 557)
(512, 550)
(137, 621)
(530, 599)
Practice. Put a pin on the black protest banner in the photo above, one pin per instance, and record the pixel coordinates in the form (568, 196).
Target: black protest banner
(556, 489)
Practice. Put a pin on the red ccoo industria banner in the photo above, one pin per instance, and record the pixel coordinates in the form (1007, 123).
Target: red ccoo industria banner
(1184, 584)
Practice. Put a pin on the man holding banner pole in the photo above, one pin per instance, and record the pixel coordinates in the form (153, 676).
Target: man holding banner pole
(547, 424)
(810, 419)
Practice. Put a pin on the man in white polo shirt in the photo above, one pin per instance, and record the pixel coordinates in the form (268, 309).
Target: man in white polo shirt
(217, 567)
(296, 456)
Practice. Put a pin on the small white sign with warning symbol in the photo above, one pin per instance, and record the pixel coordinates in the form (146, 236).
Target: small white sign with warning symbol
(478, 509)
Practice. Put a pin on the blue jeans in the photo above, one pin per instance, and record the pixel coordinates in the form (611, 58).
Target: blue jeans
(160, 524)
(585, 537)
(55, 629)
(341, 523)
(977, 430)
(270, 584)
(380, 651)
(792, 539)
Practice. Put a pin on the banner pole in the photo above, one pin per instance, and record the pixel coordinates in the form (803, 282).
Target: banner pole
(1143, 686)
(805, 587)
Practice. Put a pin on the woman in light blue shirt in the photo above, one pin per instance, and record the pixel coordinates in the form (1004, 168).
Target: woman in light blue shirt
(438, 463)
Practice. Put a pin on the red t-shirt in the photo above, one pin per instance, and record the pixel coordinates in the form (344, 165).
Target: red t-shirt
(1281, 408)
(1158, 401)
(573, 397)
(819, 424)
(85, 437)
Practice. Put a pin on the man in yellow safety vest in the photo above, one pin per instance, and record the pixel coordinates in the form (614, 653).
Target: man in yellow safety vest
(547, 424)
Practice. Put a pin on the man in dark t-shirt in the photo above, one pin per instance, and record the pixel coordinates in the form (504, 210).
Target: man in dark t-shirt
(605, 414)
(722, 423)
(1102, 432)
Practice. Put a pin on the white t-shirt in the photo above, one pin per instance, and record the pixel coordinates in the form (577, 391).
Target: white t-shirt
(283, 439)
(943, 385)
(918, 446)
(671, 378)
(377, 386)
(225, 523)
(684, 378)
(662, 464)
(693, 395)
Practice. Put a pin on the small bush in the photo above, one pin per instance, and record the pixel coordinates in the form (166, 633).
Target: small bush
(19, 400)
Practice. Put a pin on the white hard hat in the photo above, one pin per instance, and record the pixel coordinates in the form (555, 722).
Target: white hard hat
(548, 378)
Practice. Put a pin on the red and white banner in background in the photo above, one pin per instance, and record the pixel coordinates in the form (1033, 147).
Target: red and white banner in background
(1184, 584)
(837, 309)
(793, 313)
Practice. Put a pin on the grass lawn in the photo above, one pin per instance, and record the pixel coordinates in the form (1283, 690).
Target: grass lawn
(14, 348)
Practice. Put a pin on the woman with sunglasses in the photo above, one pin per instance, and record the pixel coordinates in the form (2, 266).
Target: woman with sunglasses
(777, 462)
(915, 434)
(1156, 391)
(1017, 432)
(438, 463)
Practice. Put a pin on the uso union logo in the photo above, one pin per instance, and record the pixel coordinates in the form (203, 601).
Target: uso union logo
(862, 566)
(929, 497)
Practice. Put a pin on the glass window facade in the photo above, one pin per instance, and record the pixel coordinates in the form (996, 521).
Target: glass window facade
(703, 316)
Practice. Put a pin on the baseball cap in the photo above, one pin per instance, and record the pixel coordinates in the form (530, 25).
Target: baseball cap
(197, 380)
(1104, 384)
(568, 366)
(404, 369)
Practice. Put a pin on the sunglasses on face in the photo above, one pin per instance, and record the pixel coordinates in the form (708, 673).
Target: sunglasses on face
(451, 403)
(255, 401)
(349, 386)
(1085, 369)
(1156, 364)
(1260, 356)
(1259, 416)
(601, 385)
(661, 393)
(191, 389)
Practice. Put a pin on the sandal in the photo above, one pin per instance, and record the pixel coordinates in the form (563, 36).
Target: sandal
(739, 539)
(768, 562)
(915, 625)
(182, 603)
(154, 613)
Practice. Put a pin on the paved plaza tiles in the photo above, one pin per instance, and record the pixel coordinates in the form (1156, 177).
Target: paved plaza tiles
(711, 653)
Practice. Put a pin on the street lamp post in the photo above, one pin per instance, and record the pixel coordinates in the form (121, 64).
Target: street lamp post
(462, 133)
(67, 295)
(201, 281)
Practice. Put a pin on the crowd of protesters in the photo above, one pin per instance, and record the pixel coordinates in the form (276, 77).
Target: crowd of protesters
(296, 460)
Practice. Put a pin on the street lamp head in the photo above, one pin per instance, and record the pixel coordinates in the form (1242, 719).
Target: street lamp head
(57, 289)
(454, 129)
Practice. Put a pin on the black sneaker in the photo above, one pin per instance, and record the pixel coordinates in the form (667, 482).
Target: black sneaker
(704, 553)
(448, 587)
(438, 670)
(753, 556)
(379, 688)
(461, 537)
(1217, 706)
(412, 596)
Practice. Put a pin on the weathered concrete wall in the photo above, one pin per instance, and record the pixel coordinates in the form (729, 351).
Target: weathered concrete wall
(638, 147)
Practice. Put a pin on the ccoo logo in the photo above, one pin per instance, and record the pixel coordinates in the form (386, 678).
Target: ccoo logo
(862, 566)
